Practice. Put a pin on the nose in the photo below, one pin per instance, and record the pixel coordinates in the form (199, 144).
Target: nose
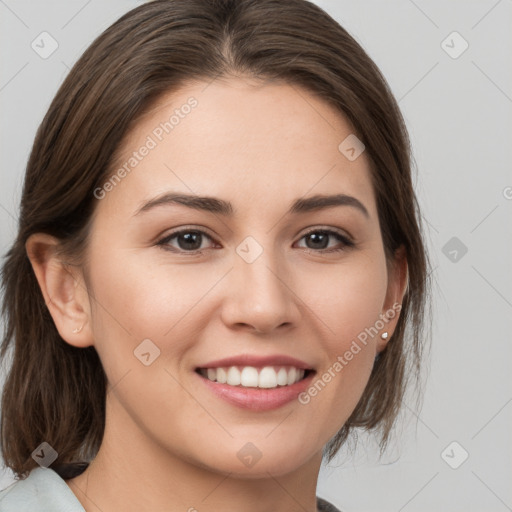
(260, 296)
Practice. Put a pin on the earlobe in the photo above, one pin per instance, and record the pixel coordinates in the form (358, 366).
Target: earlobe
(398, 283)
(63, 290)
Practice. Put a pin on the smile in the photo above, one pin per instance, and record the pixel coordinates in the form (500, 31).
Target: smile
(267, 377)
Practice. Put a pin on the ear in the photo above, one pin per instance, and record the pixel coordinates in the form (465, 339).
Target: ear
(63, 289)
(398, 282)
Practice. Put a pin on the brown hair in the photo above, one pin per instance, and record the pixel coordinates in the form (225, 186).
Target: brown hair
(55, 392)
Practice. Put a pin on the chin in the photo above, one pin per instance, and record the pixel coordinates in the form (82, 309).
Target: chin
(249, 462)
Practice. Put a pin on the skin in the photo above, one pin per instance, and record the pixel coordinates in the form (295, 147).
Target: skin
(169, 443)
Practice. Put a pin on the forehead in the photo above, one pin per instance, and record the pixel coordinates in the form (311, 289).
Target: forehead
(251, 142)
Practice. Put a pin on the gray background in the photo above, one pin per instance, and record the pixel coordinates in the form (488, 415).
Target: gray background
(458, 111)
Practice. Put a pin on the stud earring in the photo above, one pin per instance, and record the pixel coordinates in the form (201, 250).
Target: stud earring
(78, 329)
(384, 335)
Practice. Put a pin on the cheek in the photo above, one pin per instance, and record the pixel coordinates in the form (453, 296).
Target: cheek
(347, 297)
(141, 299)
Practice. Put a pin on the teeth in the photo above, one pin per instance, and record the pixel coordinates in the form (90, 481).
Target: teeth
(233, 376)
(268, 378)
(221, 375)
(282, 377)
(292, 374)
(250, 377)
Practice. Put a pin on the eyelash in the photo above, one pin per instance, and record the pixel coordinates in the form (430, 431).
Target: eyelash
(346, 242)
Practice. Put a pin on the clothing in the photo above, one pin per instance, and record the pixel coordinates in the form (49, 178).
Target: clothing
(324, 506)
(44, 490)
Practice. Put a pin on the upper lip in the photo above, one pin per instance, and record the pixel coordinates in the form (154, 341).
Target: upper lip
(258, 361)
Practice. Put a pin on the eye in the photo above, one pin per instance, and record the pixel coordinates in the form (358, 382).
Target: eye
(318, 240)
(191, 241)
(187, 240)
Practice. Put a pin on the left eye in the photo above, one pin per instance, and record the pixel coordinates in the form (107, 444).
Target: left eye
(319, 239)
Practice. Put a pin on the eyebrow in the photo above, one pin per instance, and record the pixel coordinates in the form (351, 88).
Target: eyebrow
(225, 208)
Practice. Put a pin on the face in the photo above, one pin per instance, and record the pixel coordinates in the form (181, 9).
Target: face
(258, 276)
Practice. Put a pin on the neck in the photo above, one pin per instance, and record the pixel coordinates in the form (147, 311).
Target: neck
(133, 473)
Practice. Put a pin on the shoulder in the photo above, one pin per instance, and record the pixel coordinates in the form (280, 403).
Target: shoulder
(45, 491)
(42, 491)
(324, 506)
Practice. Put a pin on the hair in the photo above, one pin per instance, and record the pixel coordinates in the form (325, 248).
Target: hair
(55, 392)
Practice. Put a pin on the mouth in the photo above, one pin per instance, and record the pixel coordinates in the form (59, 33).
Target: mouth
(255, 382)
(263, 377)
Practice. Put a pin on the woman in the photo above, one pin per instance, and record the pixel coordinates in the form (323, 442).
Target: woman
(219, 272)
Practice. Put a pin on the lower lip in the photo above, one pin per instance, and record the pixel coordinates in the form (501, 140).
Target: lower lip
(258, 399)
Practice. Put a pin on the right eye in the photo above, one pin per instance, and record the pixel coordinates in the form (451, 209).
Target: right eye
(184, 241)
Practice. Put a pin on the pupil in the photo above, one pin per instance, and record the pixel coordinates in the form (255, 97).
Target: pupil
(322, 238)
(191, 240)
